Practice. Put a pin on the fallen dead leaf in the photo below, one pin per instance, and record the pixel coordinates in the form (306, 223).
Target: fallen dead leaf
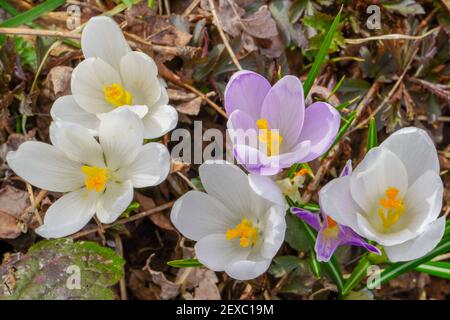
(13, 202)
(169, 289)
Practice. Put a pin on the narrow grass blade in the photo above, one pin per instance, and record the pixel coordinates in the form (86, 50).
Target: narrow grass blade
(32, 14)
(436, 268)
(357, 275)
(185, 263)
(321, 55)
(372, 138)
(399, 268)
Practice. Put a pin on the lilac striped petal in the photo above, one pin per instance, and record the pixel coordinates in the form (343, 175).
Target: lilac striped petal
(246, 91)
(321, 126)
(255, 161)
(326, 246)
(347, 170)
(239, 119)
(284, 109)
(351, 238)
(312, 219)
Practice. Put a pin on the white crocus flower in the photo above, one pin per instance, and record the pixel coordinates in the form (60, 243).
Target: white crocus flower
(112, 76)
(393, 197)
(239, 224)
(99, 177)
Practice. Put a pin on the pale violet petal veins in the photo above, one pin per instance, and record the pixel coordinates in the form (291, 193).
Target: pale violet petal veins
(321, 126)
(284, 109)
(246, 91)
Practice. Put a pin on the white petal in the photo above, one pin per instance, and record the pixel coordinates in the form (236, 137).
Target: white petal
(229, 184)
(367, 230)
(68, 214)
(139, 75)
(121, 136)
(140, 111)
(197, 214)
(159, 120)
(114, 201)
(267, 189)
(247, 269)
(46, 167)
(336, 201)
(414, 147)
(66, 109)
(423, 201)
(274, 232)
(419, 246)
(77, 143)
(216, 252)
(151, 166)
(380, 169)
(88, 80)
(102, 38)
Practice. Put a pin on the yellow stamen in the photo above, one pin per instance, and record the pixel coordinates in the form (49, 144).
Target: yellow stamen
(117, 95)
(391, 208)
(245, 231)
(272, 138)
(96, 178)
(332, 230)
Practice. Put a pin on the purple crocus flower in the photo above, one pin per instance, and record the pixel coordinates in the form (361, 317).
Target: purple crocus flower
(331, 234)
(286, 131)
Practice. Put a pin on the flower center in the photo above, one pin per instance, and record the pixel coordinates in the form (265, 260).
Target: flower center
(245, 231)
(272, 138)
(96, 178)
(391, 208)
(332, 230)
(117, 95)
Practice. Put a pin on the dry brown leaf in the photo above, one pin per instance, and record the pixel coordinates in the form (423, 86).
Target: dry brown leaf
(13, 202)
(169, 289)
(159, 218)
(260, 24)
(58, 81)
(191, 108)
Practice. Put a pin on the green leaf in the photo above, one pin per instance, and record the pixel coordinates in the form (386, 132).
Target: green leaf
(295, 234)
(315, 264)
(32, 14)
(47, 271)
(357, 275)
(26, 51)
(372, 138)
(399, 268)
(185, 263)
(363, 294)
(282, 265)
(321, 55)
(435, 268)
